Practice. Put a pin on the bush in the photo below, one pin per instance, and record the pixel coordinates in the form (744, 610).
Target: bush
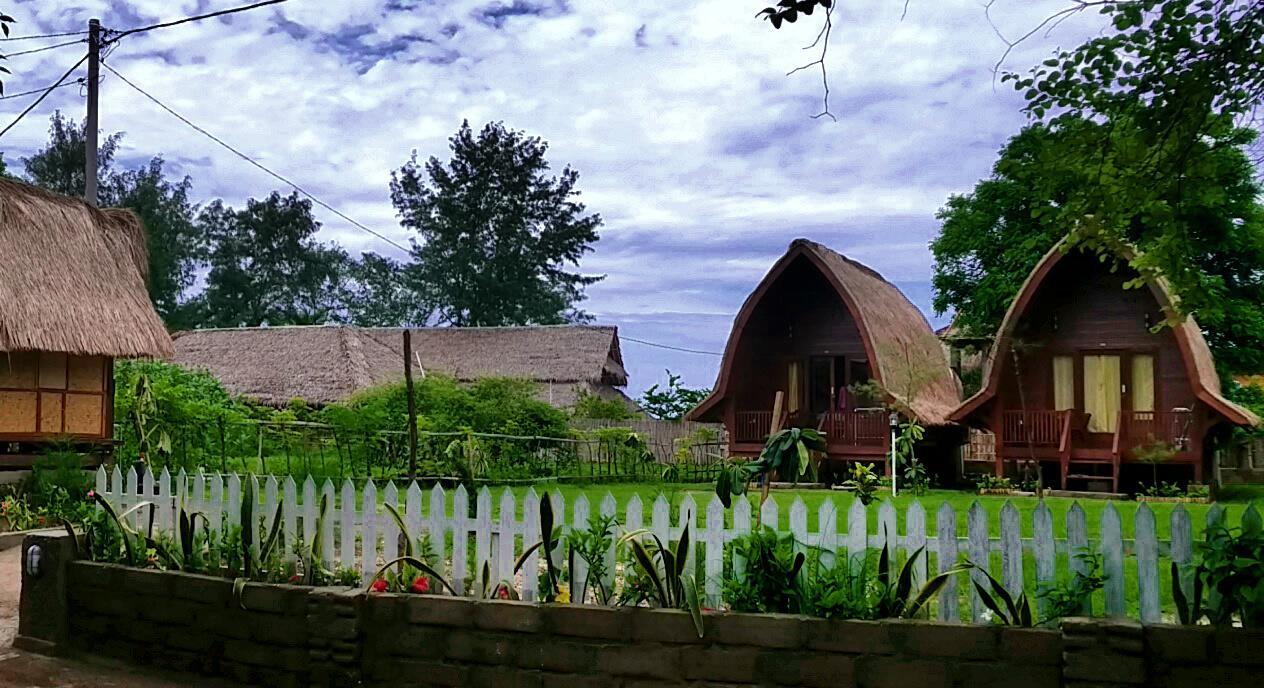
(595, 407)
(57, 488)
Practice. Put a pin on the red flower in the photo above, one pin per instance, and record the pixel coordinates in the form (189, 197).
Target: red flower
(421, 586)
(379, 585)
(503, 593)
(295, 578)
(92, 494)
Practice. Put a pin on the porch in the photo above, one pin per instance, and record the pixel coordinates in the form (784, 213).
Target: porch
(858, 434)
(1084, 452)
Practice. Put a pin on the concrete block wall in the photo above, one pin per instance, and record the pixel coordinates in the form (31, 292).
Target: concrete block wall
(295, 636)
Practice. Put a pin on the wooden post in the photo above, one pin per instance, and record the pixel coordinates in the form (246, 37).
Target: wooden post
(777, 403)
(412, 410)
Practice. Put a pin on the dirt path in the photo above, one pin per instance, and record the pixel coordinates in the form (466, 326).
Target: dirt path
(20, 669)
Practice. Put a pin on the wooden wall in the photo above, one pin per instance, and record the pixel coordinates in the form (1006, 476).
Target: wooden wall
(800, 315)
(48, 394)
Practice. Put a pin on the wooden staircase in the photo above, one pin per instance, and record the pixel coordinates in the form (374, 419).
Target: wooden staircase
(1088, 464)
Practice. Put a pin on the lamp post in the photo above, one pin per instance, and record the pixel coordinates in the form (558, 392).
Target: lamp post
(895, 467)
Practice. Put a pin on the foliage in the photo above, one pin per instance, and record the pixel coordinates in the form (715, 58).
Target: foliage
(1003, 607)
(266, 267)
(60, 165)
(594, 406)
(672, 402)
(1071, 596)
(496, 234)
(1163, 88)
(771, 582)
(592, 545)
(864, 483)
(375, 293)
(988, 481)
(1163, 489)
(914, 472)
(57, 488)
(1205, 232)
(663, 567)
(896, 597)
(868, 393)
(16, 514)
(788, 11)
(1232, 565)
(1155, 452)
(155, 399)
(785, 453)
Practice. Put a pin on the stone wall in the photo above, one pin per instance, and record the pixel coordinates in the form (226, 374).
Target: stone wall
(292, 636)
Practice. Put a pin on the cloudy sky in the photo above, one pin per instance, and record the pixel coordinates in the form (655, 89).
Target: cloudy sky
(697, 149)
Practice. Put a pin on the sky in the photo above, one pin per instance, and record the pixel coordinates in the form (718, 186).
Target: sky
(697, 149)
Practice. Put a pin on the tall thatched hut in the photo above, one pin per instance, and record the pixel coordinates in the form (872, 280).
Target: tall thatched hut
(72, 299)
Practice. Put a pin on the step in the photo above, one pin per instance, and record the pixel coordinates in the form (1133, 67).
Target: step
(1089, 476)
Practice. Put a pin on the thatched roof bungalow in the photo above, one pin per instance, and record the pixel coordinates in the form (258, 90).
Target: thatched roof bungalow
(73, 295)
(324, 364)
(829, 332)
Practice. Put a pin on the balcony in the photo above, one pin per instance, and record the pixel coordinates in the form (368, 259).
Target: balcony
(844, 430)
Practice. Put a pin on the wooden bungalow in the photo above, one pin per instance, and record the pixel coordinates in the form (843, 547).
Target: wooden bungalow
(1084, 378)
(818, 328)
(72, 299)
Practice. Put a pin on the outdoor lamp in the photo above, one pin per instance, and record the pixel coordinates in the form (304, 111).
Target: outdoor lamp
(34, 554)
(895, 420)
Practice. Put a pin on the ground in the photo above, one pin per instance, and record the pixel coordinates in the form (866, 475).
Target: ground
(19, 669)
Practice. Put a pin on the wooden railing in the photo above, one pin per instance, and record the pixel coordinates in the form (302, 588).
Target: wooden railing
(1040, 428)
(857, 428)
(751, 426)
(1142, 427)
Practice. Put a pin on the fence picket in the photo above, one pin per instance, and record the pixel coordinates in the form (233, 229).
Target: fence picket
(270, 503)
(162, 497)
(769, 515)
(979, 551)
(327, 537)
(460, 539)
(741, 528)
(799, 525)
(438, 525)
(1043, 549)
(635, 518)
(1251, 519)
(915, 531)
(289, 516)
(1077, 542)
(579, 573)
(412, 517)
(1011, 550)
(309, 511)
(530, 536)
(609, 509)
(857, 534)
(149, 515)
(888, 532)
(689, 519)
(946, 557)
(101, 486)
(1147, 551)
(232, 505)
(347, 526)
(390, 531)
(827, 528)
(368, 567)
(660, 520)
(1182, 548)
(483, 529)
(713, 543)
(505, 552)
(1112, 549)
(197, 498)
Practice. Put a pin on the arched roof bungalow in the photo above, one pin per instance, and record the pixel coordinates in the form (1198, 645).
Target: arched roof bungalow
(72, 299)
(818, 327)
(1084, 375)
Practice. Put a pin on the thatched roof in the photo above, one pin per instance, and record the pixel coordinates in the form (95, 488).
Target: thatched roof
(72, 278)
(330, 363)
(1199, 363)
(896, 335)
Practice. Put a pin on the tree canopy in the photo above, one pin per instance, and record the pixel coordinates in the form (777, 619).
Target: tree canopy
(992, 237)
(496, 235)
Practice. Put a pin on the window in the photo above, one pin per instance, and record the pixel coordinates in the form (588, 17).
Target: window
(1142, 382)
(793, 388)
(46, 393)
(1063, 383)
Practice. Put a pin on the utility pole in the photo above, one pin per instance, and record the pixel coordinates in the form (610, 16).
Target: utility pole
(90, 122)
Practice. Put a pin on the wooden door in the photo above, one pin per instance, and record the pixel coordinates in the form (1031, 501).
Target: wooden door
(1103, 392)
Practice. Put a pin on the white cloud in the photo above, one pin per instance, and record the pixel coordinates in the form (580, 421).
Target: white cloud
(691, 142)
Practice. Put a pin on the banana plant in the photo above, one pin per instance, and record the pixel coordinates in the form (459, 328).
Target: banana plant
(787, 453)
(671, 587)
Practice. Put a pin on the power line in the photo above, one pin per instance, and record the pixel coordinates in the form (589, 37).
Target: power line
(186, 20)
(40, 50)
(254, 162)
(46, 35)
(77, 82)
(43, 95)
(668, 346)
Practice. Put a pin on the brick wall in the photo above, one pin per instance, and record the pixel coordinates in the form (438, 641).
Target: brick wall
(292, 636)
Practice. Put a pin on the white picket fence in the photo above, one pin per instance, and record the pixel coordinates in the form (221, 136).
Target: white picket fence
(360, 534)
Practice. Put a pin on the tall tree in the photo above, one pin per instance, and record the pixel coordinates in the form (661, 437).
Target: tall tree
(993, 237)
(266, 267)
(497, 235)
(174, 243)
(375, 294)
(59, 165)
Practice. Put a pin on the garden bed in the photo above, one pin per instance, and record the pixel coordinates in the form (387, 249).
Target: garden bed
(296, 636)
(1004, 491)
(1174, 500)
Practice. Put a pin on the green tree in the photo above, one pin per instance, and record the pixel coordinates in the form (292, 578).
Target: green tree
(59, 165)
(266, 267)
(175, 245)
(1174, 75)
(497, 235)
(992, 237)
(375, 294)
(673, 401)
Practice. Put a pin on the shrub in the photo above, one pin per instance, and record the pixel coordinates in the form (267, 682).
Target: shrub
(57, 488)
(595, 407)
